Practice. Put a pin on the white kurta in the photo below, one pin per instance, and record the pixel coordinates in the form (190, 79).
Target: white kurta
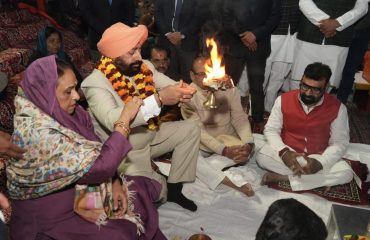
(334, 56)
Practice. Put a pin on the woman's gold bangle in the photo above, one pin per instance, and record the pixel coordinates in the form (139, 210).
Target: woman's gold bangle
(122, 125)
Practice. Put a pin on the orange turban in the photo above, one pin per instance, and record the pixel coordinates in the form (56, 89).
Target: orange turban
(119, 39)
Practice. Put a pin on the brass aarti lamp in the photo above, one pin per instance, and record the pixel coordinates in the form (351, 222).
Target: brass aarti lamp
(211, 101)
(216, 77)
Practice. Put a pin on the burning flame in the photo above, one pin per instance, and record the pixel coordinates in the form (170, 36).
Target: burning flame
(214, 70)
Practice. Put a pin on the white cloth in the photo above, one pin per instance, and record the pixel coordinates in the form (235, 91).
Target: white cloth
(279, 74)
(282, 48)
(150, 108)
(306, 53)
(339, 134)
(243, 84)
(339, 173)
(209, 171)
(334, 56)
(359, 152)
(278, 66)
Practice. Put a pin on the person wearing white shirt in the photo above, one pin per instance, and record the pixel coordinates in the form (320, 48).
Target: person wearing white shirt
(324, 34)
(307, 135)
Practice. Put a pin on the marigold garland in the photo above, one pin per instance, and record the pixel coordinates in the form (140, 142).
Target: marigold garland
(125, 89)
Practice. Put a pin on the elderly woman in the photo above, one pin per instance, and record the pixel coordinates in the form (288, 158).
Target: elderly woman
(48, 186)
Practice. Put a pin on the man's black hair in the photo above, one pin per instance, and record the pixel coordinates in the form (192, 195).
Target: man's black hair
(288, 219)
(318, 71)
(160, 47)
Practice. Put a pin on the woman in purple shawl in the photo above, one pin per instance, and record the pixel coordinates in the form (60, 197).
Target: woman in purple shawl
(63, 155)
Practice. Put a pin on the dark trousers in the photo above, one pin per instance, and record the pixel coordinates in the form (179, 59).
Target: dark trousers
(182, 61)
(355, 57)
(256, 76)
(3, 231)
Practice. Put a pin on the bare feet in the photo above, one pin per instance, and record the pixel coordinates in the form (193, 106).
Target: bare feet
(246, 188)
(271, 177)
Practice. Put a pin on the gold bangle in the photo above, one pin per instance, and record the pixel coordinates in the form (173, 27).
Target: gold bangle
(122, 125)
(126, 130)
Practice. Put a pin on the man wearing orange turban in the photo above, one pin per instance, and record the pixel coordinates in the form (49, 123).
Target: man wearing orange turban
(121, 74)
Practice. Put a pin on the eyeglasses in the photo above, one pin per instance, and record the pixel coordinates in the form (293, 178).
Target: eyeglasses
(315, 90)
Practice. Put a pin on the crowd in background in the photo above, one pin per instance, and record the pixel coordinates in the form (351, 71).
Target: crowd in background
(266, 45)
(286, 36)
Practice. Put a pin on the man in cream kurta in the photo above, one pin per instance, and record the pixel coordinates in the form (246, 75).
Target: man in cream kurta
(225, 131)
(119, 44)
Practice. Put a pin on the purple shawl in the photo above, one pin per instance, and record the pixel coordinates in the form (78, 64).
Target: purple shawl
(39, 86)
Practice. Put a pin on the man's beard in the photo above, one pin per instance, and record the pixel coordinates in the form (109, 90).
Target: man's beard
(310, 100)
(130, 70)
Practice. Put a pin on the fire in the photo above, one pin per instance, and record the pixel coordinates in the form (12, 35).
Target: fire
(214, 70)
